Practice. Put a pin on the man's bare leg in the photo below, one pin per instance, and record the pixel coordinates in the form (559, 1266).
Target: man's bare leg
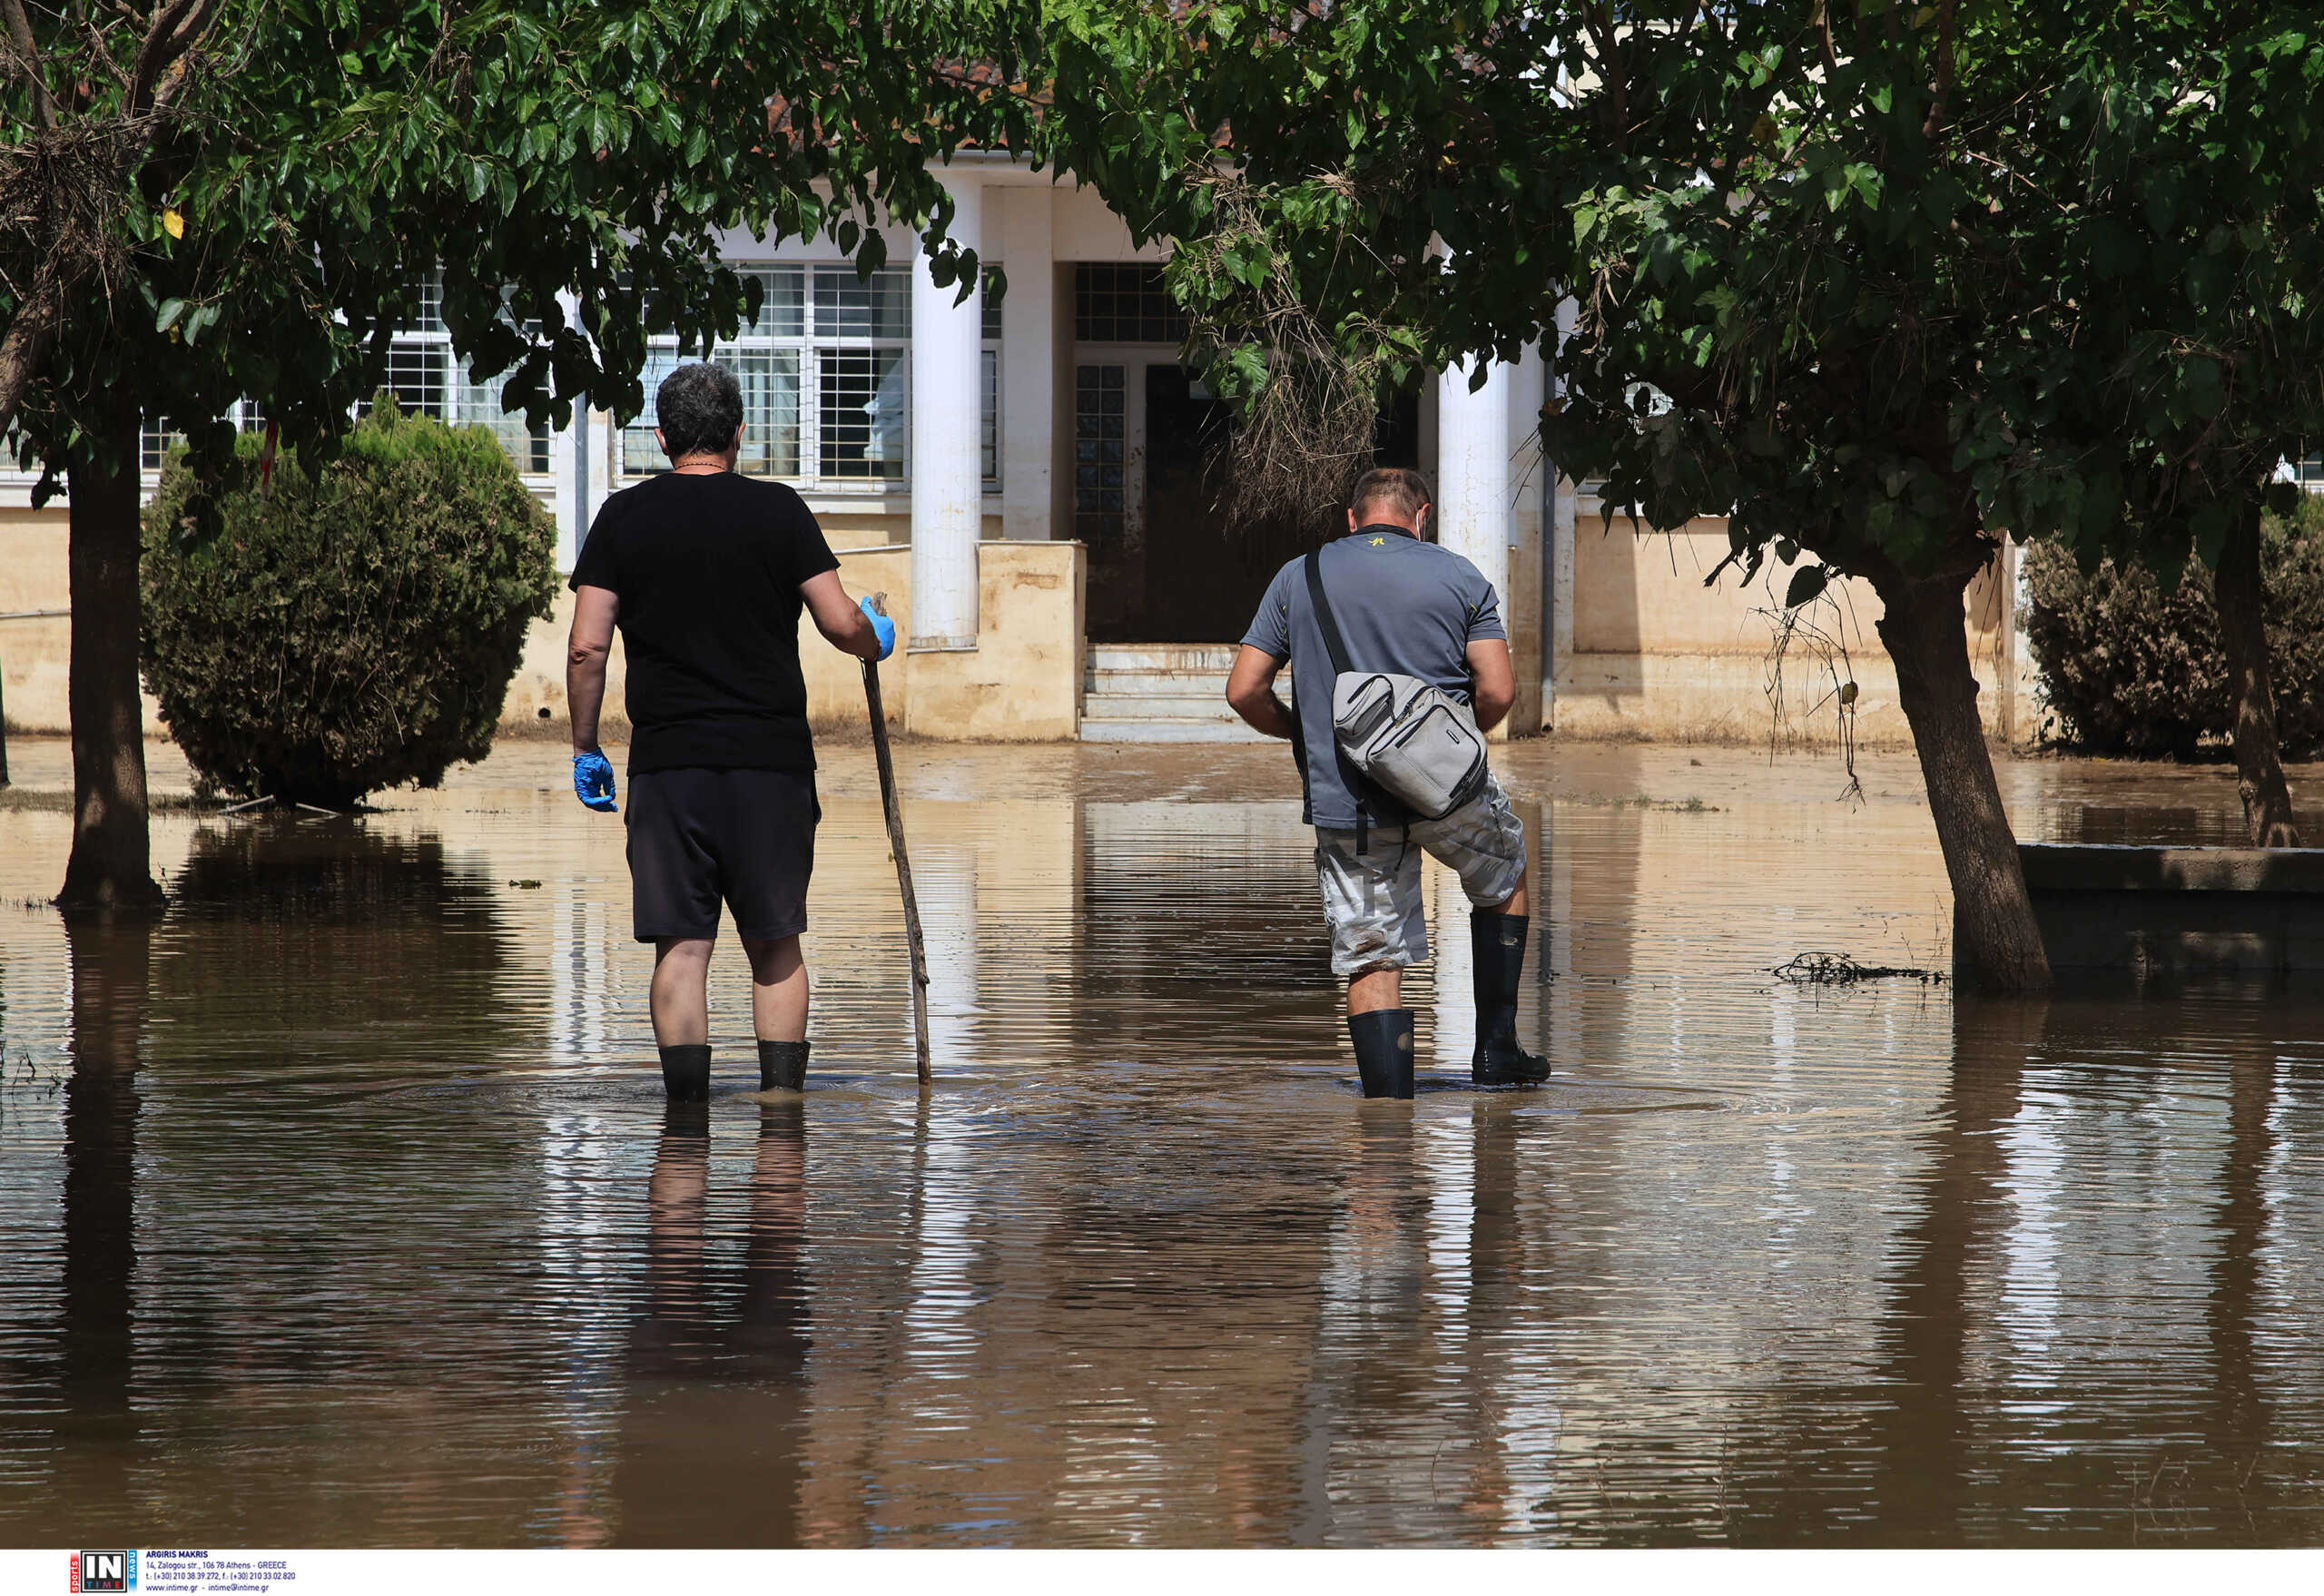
(1381, 1027)
(1375, 990)
(778, 990)
(680, 996)
(679, 1000)
(779, 1011)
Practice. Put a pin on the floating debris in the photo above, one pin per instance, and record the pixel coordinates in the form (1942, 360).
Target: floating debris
(1838, 969)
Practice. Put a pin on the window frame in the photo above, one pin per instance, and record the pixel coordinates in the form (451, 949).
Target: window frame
(807, 348)
(808, 345)
(428, 342)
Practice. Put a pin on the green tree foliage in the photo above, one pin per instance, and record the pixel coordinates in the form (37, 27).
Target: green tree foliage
(329, 154)
(2131, 667)
(251, 222)
(1827, 265)
(350, 630)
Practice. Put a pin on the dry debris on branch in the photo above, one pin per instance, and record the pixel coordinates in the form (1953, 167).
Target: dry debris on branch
(1838, 969)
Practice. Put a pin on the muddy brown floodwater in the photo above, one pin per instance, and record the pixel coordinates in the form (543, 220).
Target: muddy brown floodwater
(340, 1206)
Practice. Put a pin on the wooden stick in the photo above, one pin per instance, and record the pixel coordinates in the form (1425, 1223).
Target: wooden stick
(894, 807)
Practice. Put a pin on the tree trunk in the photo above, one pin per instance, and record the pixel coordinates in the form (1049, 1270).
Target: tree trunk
(1996, 946)
(112, 862)
(2242, 587)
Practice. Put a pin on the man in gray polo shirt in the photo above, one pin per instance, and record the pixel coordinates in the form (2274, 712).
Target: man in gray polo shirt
(1403, 604)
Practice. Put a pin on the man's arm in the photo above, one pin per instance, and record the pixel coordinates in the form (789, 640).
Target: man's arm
(844, 626)
(586, 652)
(1250, 693)
(1492, 683)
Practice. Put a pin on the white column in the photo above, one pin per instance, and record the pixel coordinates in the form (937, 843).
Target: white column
(947, 466)
(1473, 492)
(1523, 609)
(1027, 362)
(1557, 653)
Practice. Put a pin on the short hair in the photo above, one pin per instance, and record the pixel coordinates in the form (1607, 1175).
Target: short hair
(698, 407)
(1392, 488)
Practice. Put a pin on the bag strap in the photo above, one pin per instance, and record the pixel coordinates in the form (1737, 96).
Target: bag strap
(1333, 645)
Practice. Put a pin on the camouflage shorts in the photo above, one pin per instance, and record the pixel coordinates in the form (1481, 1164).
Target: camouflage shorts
(1372, 899)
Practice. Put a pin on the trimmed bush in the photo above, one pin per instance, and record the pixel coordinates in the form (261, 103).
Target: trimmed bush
(350, 630)
(2128, 669)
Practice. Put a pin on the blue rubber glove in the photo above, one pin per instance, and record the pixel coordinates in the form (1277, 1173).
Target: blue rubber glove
(882, 627)
(592, 781)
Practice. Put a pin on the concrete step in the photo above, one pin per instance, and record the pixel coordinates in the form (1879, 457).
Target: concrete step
(1187, 705)
(1165, 730)
(1217, 657)
(1161, 693)
(1163, 684)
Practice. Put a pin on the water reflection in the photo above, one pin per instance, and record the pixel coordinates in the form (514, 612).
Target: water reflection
(361, 1218)
(710, 1440)
(335, 941)
(97, 1432)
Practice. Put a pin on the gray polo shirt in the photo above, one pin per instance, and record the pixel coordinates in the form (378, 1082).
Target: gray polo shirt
(1403, 606)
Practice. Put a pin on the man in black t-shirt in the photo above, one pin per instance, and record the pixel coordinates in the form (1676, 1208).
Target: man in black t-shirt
(705, 572)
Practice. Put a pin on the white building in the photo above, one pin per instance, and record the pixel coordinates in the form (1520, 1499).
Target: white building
(1024, 480)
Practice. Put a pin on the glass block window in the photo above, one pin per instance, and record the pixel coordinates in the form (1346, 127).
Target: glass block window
(2308, 472)
(989, 383)
(989, 427)
(1101, 415)
(1125, 304)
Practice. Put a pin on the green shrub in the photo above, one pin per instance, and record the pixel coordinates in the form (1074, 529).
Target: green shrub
(350, 630)
(2128, 669)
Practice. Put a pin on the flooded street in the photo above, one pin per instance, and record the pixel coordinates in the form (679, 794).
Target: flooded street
(341, 1206)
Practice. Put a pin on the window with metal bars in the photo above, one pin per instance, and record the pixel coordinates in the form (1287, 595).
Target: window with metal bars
(428, 379)
(826, 374)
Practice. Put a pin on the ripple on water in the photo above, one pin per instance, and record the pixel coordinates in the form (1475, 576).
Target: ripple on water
(341, 1206)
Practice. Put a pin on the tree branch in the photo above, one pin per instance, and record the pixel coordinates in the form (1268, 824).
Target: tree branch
(26, 52)
(176, 29)
(1943, 87)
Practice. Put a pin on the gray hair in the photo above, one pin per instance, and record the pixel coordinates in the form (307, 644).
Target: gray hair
(698, 407)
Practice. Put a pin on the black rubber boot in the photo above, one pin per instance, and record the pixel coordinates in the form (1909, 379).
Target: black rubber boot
(783, 1065)
(685, 1072)
(1497, 948)
(1383, 1051)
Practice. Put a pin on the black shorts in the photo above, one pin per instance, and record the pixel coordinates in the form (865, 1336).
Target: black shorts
(697, 836)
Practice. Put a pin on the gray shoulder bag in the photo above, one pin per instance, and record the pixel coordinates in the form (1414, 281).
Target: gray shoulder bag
(1415, 742)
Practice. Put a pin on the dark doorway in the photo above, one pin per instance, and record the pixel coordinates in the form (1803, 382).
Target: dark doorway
(1180, 573)
(1199, 588)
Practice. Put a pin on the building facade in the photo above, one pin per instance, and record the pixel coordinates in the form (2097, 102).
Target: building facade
(1023, 473)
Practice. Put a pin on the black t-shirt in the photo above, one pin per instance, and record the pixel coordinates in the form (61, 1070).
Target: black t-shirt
(707, 570)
